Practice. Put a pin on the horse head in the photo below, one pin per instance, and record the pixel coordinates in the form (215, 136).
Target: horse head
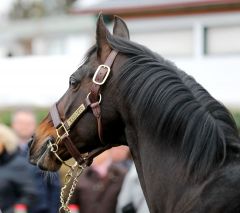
(87, 114)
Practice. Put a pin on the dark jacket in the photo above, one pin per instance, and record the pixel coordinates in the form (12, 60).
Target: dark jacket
(16, 182)
(97, 194)
(48, 192)
(48, 189)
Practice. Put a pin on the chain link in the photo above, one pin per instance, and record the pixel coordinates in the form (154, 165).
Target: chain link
(73, 173)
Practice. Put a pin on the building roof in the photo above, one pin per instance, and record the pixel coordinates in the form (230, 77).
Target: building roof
(135, 8)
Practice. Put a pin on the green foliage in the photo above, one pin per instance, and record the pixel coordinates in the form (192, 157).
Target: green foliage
(6, 113)
(236, 116)
(5, 116)
(41, 113)
(22, 9)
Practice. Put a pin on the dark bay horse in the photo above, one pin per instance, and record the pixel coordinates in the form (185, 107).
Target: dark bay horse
(184, 143)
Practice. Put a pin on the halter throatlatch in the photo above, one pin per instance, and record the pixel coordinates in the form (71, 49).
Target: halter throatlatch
(92, 100)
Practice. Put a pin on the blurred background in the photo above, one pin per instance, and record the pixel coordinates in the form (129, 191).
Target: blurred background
(43, 41)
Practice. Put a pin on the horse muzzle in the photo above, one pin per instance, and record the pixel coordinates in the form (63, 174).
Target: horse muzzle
(36, 154)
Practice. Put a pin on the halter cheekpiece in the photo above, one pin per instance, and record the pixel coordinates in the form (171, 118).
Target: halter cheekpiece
(92, 100)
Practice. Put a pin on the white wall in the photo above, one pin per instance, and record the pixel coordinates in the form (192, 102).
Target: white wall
(42, 80)
(35, 80)
(220, 76)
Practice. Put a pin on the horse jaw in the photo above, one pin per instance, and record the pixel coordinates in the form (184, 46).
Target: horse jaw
(40, 152)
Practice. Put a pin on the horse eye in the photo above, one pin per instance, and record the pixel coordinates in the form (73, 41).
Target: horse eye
(73, 82)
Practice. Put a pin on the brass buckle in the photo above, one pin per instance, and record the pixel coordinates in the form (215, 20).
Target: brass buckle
(62, 129)
(96, 73)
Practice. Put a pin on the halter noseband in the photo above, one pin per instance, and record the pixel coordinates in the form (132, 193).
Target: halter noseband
(92, 100)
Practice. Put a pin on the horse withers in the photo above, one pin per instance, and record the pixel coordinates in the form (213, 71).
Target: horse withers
(184, 143)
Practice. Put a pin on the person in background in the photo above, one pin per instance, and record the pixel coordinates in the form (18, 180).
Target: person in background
(24, 124)
(121, 155)
(16, 181)
(99, 185)
(131, 198)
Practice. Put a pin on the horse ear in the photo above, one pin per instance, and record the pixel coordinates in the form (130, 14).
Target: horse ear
(103, 48)
(120, 28)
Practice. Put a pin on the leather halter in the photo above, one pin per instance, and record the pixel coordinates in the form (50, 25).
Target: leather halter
(92, 101)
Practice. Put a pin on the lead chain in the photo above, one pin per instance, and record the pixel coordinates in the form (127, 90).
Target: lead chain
(73, 173)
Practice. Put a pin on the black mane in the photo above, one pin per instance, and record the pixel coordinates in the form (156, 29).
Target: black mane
(171, 105)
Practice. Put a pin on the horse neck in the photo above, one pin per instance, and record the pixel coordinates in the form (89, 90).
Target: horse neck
(162, 176)
(157, 167)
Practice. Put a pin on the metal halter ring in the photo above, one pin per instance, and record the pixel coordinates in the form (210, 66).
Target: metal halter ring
(53, 147)
(100, 97)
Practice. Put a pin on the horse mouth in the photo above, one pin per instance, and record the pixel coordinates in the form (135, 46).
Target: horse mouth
(43, 157)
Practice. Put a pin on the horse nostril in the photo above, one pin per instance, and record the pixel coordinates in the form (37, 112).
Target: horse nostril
(30, 141)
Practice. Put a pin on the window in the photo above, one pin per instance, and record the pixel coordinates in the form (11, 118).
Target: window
(222, 40)
(167, 42)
